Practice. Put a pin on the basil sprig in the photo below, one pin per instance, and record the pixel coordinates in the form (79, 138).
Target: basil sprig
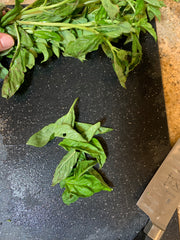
(75, 28)
(75, 172)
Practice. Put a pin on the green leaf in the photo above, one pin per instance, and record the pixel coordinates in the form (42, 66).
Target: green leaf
(82, 156)
(26, 40)
(67, 37)
(85, 186)
(3, 71)
(152, 12)
(83, 45)
(56, 48)
(101, 156)
(46, 134)
(10, 29)
(27, 59)
(107, 50)
(93, 148)
(144, 24)
(136, 52)
(68, 197)
(111, 9)
(155, 3)
(69, 144)
(48, 35)
(101, 14)
(14, 78)
(91, 131)
(66, 131)
(69, 118)
(42, 137)
(99, 177)
(83, 127)
(140, 7)
(65, 167)
(118, 67)
(42, 47)
(83, 167)
(115, 30)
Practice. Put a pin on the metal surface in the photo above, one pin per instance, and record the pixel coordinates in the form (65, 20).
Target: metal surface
(153, 231)
(162, 195)
(135, 149)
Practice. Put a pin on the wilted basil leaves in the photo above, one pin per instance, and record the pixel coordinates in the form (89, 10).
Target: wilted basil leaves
(75, 172)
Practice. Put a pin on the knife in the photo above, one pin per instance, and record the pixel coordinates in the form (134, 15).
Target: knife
(162, 196)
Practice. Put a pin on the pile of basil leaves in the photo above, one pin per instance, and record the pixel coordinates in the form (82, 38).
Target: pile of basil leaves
(75, 172)
(75, 28)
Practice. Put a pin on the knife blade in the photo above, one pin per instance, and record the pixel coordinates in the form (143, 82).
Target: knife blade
(162, 195)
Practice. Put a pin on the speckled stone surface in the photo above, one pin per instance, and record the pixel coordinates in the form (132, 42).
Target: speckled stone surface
(26, 196)
(135, 149)
(168, 30)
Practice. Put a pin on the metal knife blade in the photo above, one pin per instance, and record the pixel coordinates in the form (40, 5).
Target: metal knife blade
(162, 195)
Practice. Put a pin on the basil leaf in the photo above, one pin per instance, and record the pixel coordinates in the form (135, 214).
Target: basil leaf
(14, 78)
(82, 45)
(118, 67)
(85, 186)
(155, 3)
(3, 71)
(69, 144)
(46, 134)
(101, 156)
(66, 131)
(83, 127)
(83, 167)
(65, 167)
(111, 9)
(91, 131)
(48, 35)
(140, 7)
(56, 48)
(26, 40)
(68, 197)
(115, 30)
(69, 118)
(143, 23)
(99, 177)
(43, 48)
(106, 49)
(136, 52)
(42, 137)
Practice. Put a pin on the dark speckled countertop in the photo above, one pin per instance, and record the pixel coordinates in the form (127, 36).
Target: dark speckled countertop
(168, 30)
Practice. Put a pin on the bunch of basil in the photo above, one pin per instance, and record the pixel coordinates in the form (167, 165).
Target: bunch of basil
(75, 28)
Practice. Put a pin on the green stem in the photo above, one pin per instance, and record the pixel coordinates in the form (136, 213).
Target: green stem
(29, 6)
(131, 6)
(61, 25)
(42, 8)
(110, 46)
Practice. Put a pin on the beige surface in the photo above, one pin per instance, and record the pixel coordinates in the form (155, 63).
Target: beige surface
(169, 48)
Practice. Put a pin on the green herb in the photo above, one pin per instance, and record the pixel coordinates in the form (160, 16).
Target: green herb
(75, 171)
(75, 28)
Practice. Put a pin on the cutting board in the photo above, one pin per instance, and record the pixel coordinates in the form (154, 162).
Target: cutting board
(30, 208)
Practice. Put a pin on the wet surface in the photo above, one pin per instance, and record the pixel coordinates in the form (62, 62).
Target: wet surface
(32, 209)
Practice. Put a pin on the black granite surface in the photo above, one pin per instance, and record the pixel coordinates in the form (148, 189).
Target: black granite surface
(30, 208)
